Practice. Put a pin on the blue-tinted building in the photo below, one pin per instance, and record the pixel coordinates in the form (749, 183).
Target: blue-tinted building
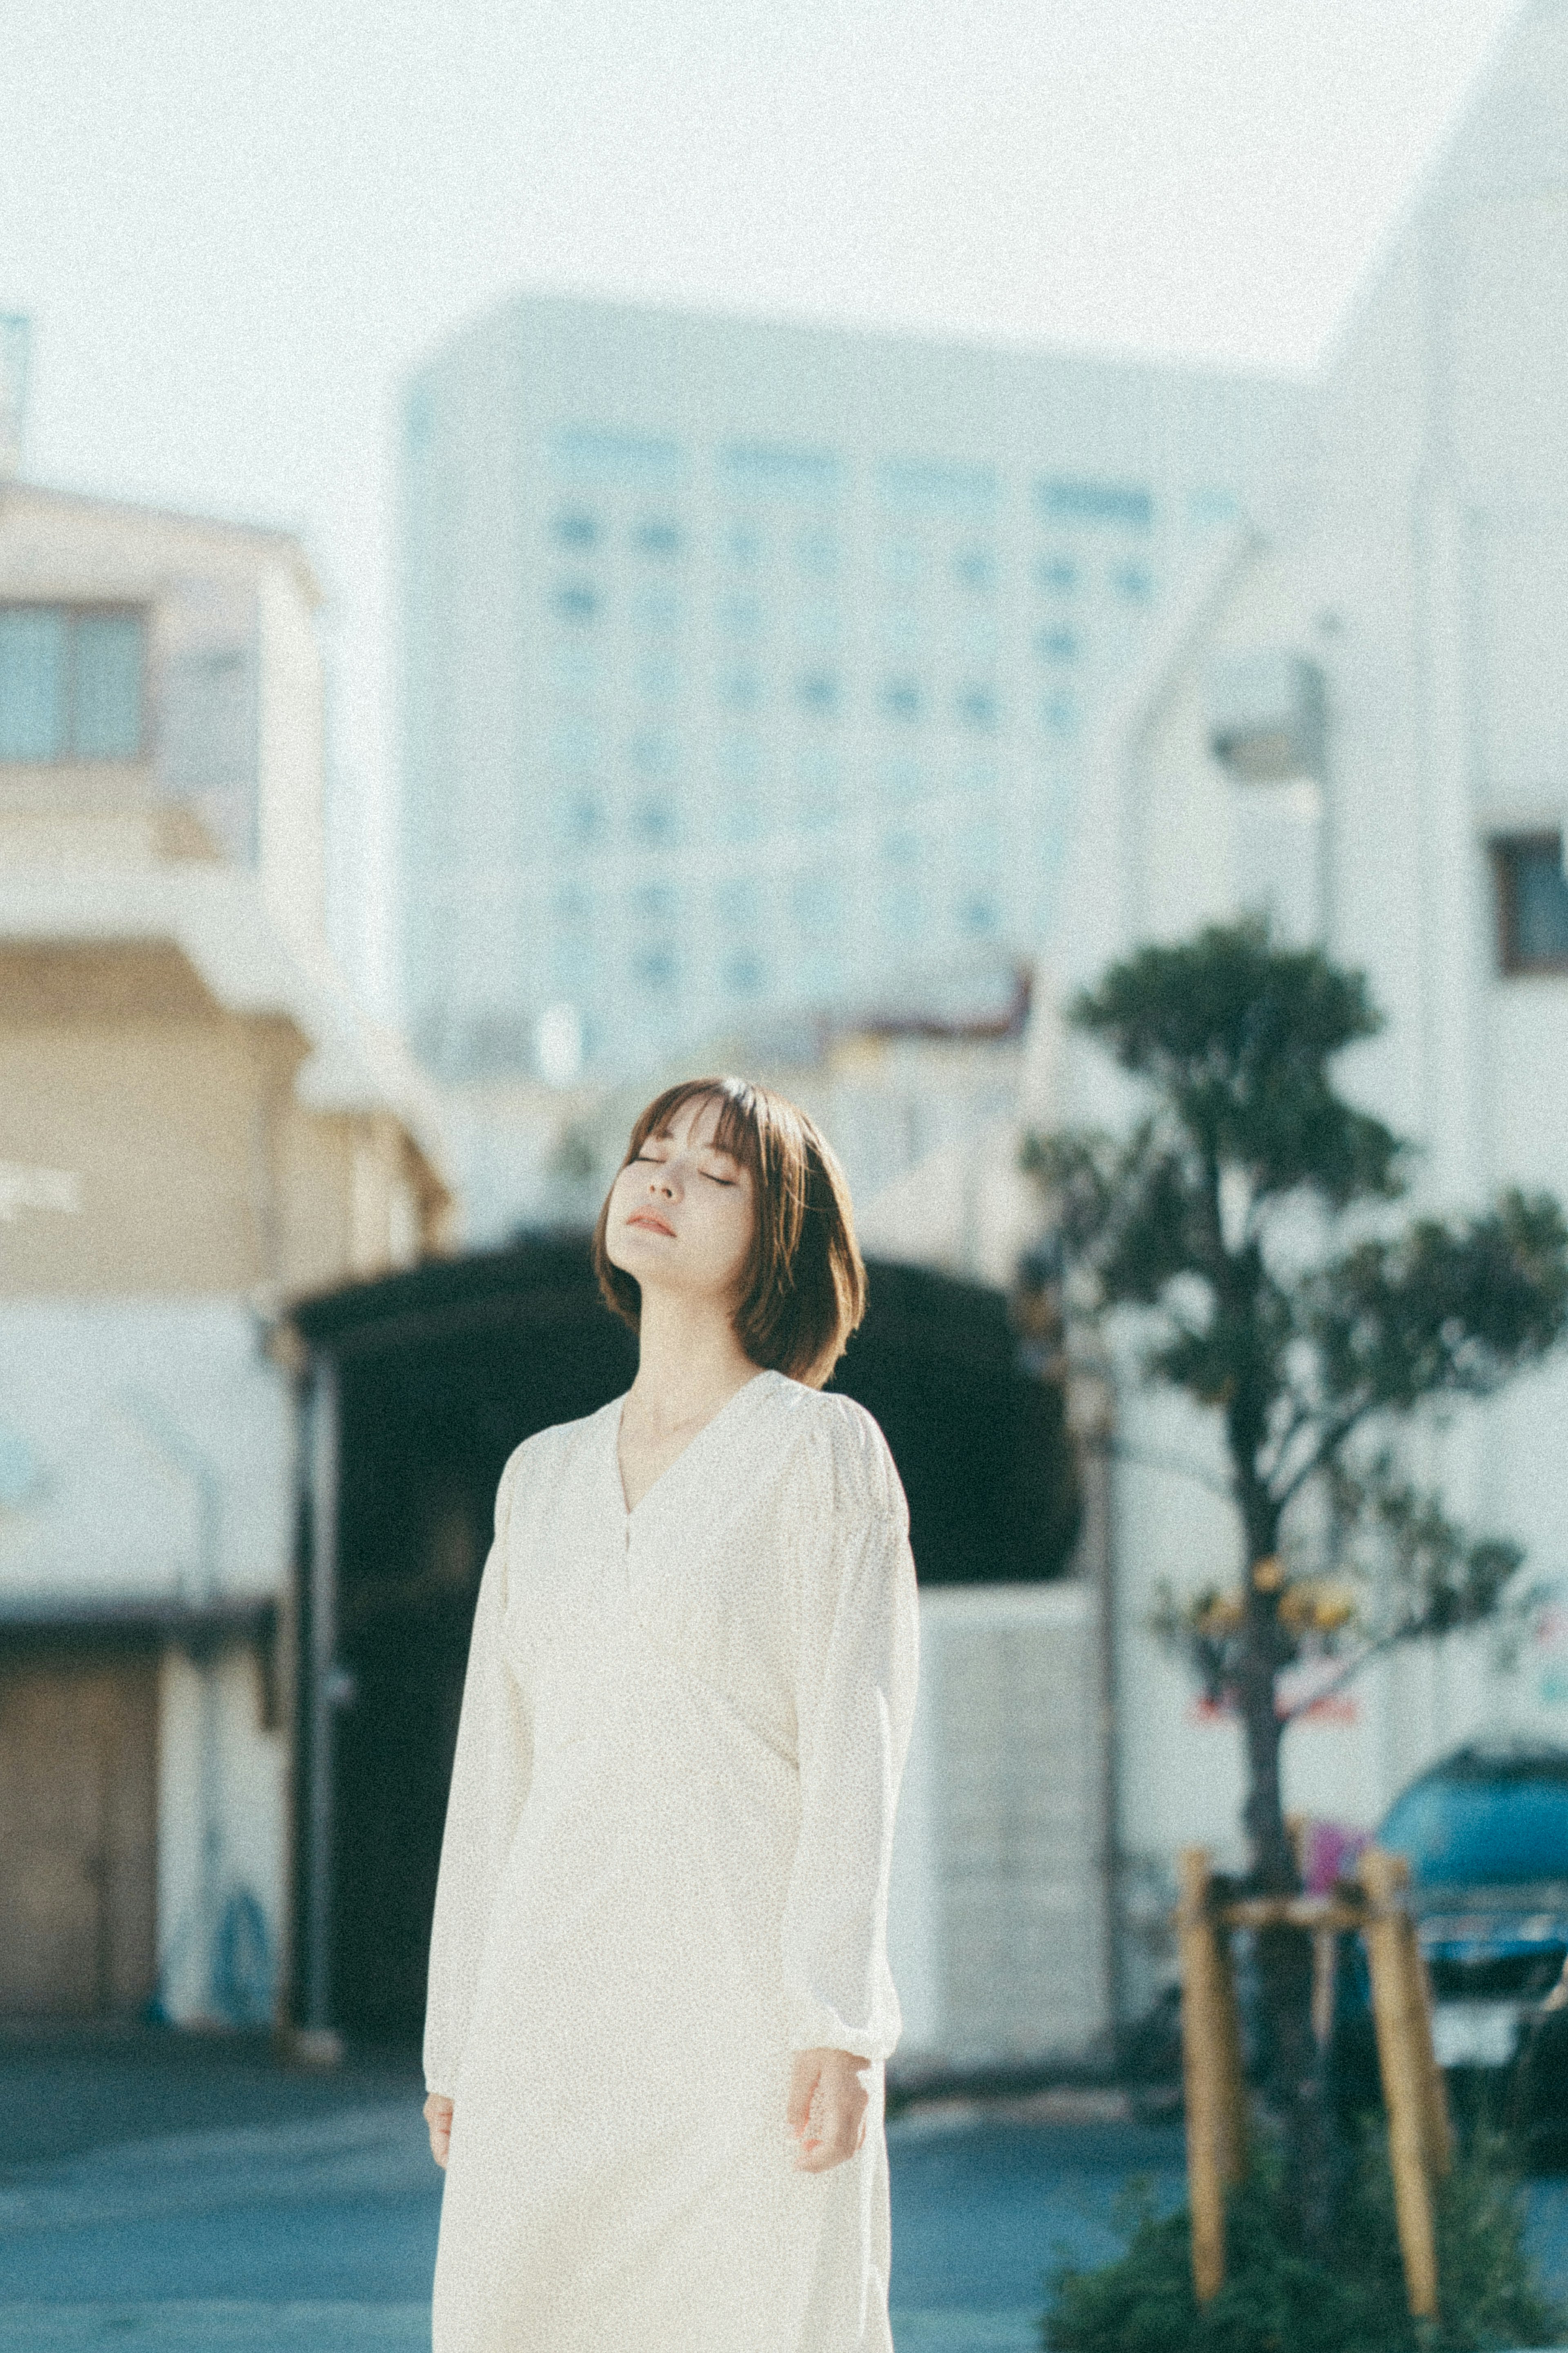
(749, 668)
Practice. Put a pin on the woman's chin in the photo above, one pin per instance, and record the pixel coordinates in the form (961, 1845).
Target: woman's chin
(642, 1245)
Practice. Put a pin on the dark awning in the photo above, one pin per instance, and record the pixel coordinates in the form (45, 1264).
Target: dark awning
(85, 1622)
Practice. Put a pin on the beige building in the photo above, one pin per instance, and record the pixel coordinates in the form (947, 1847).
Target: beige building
(195, 1123)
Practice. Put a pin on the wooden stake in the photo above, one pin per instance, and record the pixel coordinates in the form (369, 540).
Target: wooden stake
(1210, 2071)
(1404, 2045)
(1439, 2128)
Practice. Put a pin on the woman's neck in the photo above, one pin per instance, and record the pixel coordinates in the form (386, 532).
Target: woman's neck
(688, 1361)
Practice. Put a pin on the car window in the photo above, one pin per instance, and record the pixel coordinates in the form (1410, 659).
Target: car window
(1480, 1832)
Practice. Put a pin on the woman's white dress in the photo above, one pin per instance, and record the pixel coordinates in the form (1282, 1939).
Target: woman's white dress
(664, 1870)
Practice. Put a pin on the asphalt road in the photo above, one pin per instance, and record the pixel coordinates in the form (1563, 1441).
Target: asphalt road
(160, 2193)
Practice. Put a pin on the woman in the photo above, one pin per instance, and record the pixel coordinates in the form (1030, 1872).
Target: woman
(659, 2002)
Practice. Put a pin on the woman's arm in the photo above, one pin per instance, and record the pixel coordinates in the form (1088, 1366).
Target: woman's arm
(858, 1658)
(491, 1770)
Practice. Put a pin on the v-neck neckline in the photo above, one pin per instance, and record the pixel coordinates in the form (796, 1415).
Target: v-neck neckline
(629, 1511)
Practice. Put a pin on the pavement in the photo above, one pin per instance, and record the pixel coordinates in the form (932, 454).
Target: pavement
(184, 2194)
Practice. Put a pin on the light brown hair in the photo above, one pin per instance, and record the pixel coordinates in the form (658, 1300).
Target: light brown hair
(803, 1289)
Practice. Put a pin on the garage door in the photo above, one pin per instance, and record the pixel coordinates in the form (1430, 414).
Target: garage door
(78, 1827)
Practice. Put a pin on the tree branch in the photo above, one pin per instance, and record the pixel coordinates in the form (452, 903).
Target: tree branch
(1351, 1668)
(1300, 1419)
(1333, 1438)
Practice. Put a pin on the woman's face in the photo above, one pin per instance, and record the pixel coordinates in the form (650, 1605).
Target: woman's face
(681, 1212)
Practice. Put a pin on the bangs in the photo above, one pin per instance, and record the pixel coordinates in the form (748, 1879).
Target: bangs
(736, 1131)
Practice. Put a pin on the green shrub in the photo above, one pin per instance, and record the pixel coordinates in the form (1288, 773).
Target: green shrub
(1276, 2300)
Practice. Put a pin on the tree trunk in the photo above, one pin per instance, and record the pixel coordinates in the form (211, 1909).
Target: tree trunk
(1295, 2088)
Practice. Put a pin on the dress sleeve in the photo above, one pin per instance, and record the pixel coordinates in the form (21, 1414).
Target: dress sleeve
(857, 1667)
(491, 1770)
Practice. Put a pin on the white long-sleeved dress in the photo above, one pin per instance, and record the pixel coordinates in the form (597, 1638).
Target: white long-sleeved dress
(664, 1870)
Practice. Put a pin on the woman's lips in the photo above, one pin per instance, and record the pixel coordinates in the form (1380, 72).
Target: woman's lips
(647, 1218)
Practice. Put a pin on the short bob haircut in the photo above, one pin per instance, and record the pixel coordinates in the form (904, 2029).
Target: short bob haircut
(803, 1288)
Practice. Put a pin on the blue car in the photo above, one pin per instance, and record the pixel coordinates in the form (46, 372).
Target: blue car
(1485, 1831)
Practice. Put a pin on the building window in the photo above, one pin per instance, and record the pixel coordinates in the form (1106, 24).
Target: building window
(575, 600)
(579, 819)
(655, 966)
(740, 688)
(70, 683)
(1532, 902)
(977, 707)
(974, 567)
(744, 974)
(977, 914)
(1058, 575)
(817, 691)
(1058, 715)
(1095, 503)
(657, 536)
(654, 903)
(655, 822)
(574, 527)
(745, 543)
(1056, 645)
(1132, 582)
(901, 698)
(816, 552)
(659, 678)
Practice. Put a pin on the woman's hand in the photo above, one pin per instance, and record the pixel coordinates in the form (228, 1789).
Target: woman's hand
(827, 2109)
(437, 2115)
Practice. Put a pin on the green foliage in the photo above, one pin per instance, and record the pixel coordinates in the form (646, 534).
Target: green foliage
(1442, 1309)
(1216, 1215)
(1275, 2300)
(1235, 1035)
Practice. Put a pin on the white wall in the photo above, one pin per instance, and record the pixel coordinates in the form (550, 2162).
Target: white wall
(997, 1926)
(114, 1413)
(1429, 578)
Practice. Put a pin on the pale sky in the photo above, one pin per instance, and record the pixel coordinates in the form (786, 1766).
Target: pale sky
(235, 223)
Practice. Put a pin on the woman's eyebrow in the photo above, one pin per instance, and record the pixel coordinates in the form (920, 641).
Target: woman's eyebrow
(664, 1136)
